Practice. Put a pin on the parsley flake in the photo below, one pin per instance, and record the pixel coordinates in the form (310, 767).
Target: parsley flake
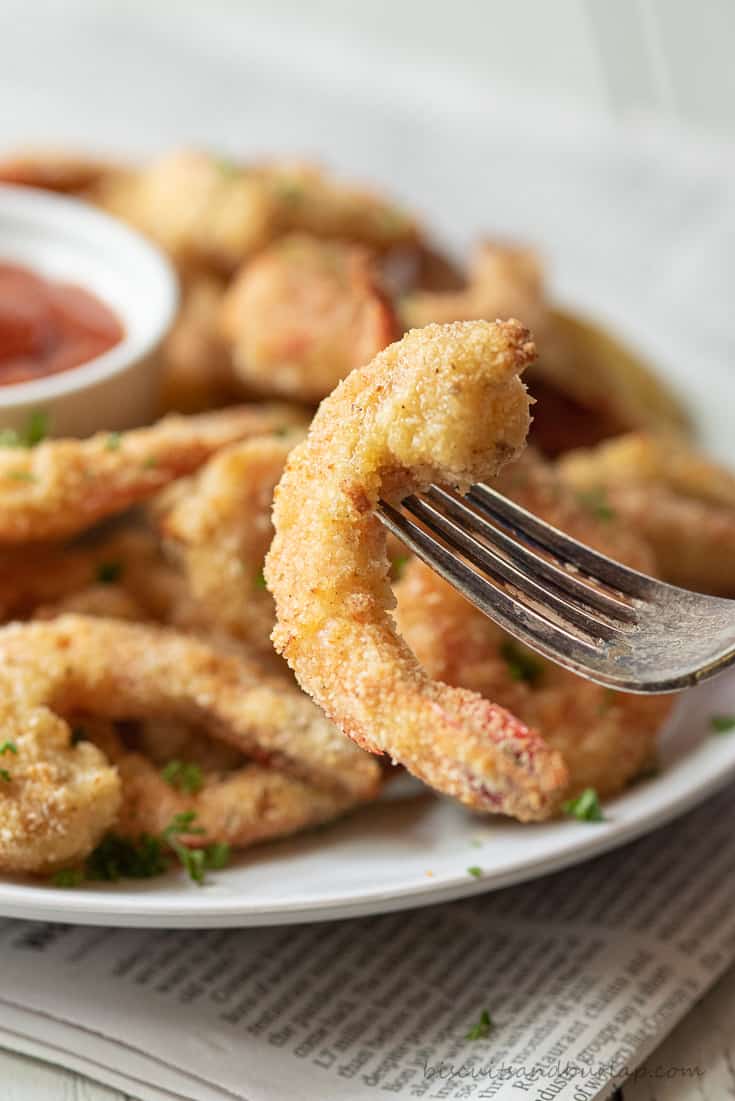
(475, 871)
(482, 1028)
(8, 747)
(21, 475)
(183, 776)
(5, 775)
(722, 724)
(68, 877)
(585, 806)
(522, 665)
(399, 566)
(108, 573)
(113, 441)
(35, 430)
(596, 502)
(260, 582)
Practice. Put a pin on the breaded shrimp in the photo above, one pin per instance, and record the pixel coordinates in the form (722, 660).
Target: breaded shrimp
(196, 369)
(302, 314)
(236, 802)
(238, 808)
(61, 487)
(220, 529)
(681, 502)
(54, 170)
(588, 384)
(606, 738)
(502, 281)
(120, 670)
(47, 575)
(210, 212)
(56, 799)
(442, 405)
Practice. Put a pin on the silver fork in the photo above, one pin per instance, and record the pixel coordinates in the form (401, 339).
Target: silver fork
(577, 607)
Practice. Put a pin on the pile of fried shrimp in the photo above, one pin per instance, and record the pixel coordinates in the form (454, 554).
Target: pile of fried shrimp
(207, 641)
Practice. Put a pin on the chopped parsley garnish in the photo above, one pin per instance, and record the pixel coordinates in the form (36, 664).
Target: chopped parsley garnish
(184, 776)
(475, 871)
(399, 566)
(121, 858)
(8, 747)
(289, 190)
(595, 500)
(722, 724)
(585, 806)
(227, 167)
(113, 441)
(150, 463)
(68, 877)
(522, 665)
(482, 1028)
(36, 429)
(5, 775)
(108, 573)
(21, 475)
(260, 580)
(281, 432)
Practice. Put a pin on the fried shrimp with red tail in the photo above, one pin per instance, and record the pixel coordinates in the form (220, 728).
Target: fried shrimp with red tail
(61, 487)
(219, 527)
(606, 738)
(119, 670)
(446, 405)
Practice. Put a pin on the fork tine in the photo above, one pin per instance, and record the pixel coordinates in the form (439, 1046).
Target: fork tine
(525, 623)
(571, 585)
(550, 539)
(487, 559)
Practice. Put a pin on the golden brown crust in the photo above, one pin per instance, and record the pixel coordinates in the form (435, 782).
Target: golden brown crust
(303, 314)
(121, 670)
(605, 738)
(444, 404)
(63, 486)
(58, 799)
(219, 528)
(681, 502)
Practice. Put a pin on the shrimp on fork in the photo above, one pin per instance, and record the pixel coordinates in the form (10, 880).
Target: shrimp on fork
(444, 404)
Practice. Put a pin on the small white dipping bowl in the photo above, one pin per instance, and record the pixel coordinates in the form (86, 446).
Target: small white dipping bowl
(67, 240)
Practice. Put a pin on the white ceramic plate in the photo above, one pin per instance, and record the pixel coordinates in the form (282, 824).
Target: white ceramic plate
(637, 228)
(410, 850)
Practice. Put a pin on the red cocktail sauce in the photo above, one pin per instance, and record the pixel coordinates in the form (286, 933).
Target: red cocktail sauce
(47, 327)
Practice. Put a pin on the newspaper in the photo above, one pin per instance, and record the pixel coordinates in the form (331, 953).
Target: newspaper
(555, 990)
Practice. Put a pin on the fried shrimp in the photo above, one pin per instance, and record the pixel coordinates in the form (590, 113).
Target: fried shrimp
(303, 314)
(211, 213)
(238, 808)
(236, 802)
(220, 529)
(605, 738)
(196, 371)
(444, 404)
(56, 799)
(120, 670)
(589, 385)
(681, 503)
(61, 487)
(54, 170)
